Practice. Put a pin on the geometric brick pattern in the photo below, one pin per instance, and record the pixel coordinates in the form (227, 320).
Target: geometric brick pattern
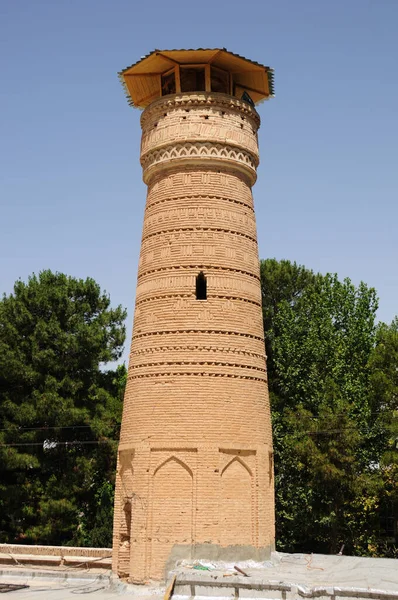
(195, 454)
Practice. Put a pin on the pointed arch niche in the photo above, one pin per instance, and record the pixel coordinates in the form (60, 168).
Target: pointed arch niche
(172, 507)
(126, 492)
(236, 510)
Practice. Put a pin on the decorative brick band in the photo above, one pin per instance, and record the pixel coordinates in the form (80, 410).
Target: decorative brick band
(198, 229)
(195, 363)
(179, 374)
(196, 267)
(200, 100)
(163, 158)
(227, 349)
(183, 281)
(170, 199)
(196, 331)
(190, 296)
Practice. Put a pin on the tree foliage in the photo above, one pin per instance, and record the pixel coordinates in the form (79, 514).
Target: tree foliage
(384, 397)
(328, 379)
(60, 409)
(281, 281)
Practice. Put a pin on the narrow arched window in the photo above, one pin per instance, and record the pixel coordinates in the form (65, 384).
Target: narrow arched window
(201, 287)
(127, 519)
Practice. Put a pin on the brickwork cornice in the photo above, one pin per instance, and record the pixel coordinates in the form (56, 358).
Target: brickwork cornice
(218, 155)
(212, 100)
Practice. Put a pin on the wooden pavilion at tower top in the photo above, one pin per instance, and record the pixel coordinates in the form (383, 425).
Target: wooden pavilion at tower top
(160, 73)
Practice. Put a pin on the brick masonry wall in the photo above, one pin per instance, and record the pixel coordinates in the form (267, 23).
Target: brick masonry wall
(195, 455)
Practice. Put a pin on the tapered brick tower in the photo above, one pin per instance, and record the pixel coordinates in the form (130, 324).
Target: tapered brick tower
(195, 471)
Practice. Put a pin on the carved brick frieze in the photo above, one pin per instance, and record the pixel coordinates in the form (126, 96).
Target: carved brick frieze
(198, 131)
(185, 153)
(212, 101)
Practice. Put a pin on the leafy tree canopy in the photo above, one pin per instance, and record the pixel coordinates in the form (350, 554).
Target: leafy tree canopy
(329, 375)
(60, 408)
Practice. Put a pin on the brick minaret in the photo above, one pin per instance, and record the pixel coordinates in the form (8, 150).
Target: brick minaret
(195, 470)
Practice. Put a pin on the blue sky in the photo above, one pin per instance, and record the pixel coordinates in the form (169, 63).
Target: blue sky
(71, 193)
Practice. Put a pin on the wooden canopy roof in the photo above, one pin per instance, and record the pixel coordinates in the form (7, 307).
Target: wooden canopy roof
(142, 80)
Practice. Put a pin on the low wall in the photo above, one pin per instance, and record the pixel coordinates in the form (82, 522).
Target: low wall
(55, 556)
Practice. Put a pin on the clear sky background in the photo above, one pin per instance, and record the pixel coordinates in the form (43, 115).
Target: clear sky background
(71, 193)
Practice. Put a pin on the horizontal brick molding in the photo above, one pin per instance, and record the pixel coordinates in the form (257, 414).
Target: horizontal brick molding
(198, 374)
(214, 200)
(198, 331)
(192, 101)
(195, 268)
(217, 153)
(193, 232)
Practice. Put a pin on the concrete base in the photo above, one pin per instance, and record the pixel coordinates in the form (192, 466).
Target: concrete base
(292, 576)
(216, 554)
(41, 576)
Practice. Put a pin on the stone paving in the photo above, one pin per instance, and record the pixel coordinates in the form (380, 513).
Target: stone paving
(285, 577)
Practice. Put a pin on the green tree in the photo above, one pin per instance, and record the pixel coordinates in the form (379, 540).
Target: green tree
(384, 397)
(384, 387)
(281, 281)
(327, 437)
(60, 408)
